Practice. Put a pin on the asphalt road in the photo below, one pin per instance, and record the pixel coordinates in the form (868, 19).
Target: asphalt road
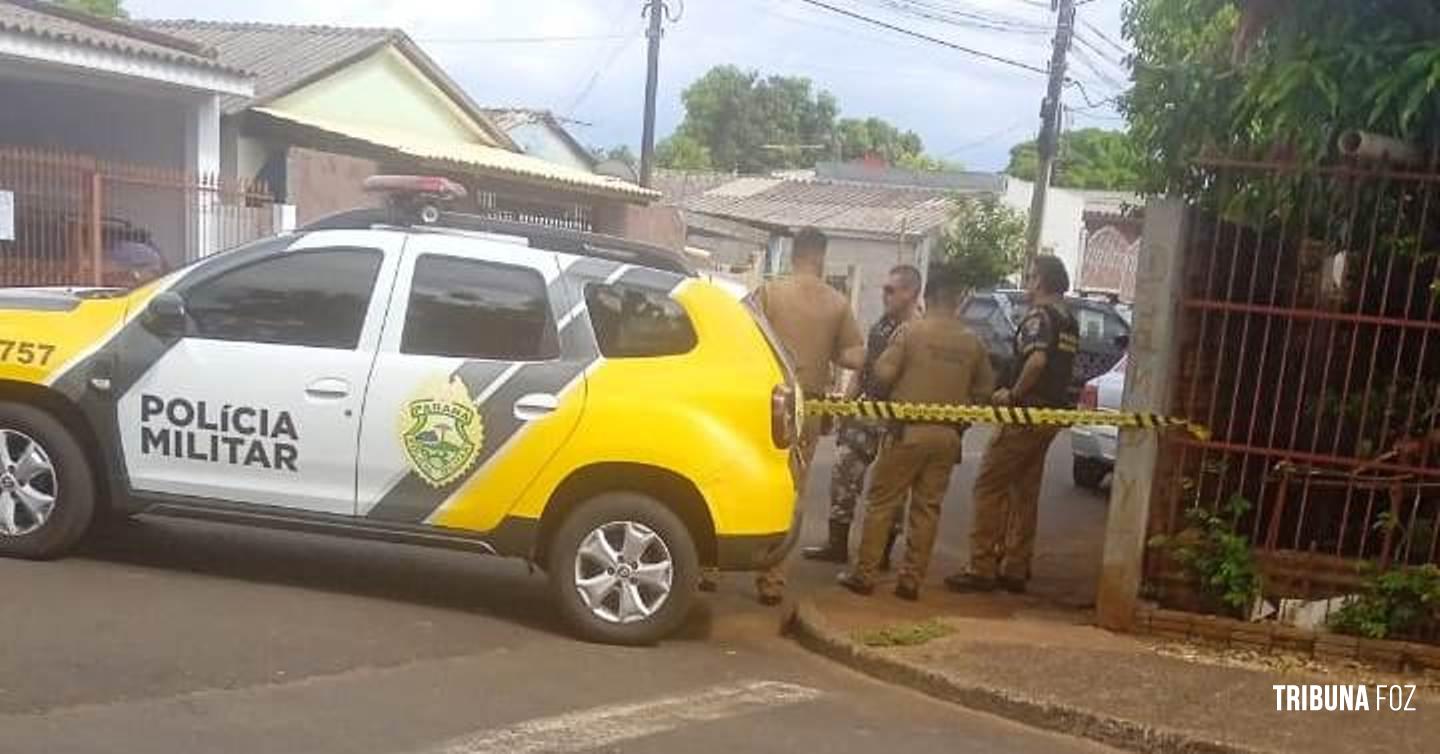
(171, 636)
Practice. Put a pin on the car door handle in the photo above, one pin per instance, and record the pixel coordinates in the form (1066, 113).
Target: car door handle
(328, 388)
(535, 406)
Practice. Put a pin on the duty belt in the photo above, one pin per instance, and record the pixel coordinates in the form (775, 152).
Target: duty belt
(1015, 415)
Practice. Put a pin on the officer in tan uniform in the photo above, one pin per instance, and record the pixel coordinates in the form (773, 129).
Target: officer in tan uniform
(817, 329)
(934, 359)
(1007, 489)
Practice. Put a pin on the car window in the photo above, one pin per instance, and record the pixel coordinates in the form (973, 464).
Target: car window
(1091, 322)
(634, 322)
(478, 310)
(314, 297)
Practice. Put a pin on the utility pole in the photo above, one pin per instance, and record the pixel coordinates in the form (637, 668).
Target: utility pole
(1050, 113)
(656, 9)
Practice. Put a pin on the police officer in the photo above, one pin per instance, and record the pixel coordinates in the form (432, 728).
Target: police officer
(1007, 489)
(934, 359)
(858, 440)
(817, 328)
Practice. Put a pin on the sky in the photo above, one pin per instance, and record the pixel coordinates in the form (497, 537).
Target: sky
(585, 59)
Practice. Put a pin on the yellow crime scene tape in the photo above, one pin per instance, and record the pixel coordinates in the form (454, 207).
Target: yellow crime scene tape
(1018, 415)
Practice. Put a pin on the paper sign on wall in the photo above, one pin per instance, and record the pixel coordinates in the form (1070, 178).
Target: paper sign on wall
(7, 216)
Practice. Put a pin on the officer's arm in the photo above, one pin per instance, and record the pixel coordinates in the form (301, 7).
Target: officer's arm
(982, 383)
(849, 343)
(1029, 374)
(887, 367)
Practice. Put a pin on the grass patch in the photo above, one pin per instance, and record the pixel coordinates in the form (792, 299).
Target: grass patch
(904, 634)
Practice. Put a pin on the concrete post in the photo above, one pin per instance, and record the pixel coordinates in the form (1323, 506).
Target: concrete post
(1148, 376)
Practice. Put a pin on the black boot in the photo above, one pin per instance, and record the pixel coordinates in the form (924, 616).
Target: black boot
(836, 550)
(889, 548)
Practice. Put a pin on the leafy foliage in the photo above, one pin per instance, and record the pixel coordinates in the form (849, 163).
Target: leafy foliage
(739, 120)
(873, 137)
(1090, 158)
(105, 8)
(1218, 560)
(1294, 81)
(983, 242)
(1404, 602)
(619, 153)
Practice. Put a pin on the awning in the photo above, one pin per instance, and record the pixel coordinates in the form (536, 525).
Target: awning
(473, 157)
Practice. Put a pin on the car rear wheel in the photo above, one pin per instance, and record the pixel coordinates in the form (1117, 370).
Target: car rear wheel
(47, 494)
(623, 569)
(1089, 473)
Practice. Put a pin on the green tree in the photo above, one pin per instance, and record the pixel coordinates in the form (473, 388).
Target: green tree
(873, 137)
(1090, 158)
(983, 242)
(740, 120)
(1276, 79)
(105, 8)
(619, 153)
(683, 152)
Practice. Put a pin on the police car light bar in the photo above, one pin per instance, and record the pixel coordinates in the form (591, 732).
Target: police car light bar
(417, 185)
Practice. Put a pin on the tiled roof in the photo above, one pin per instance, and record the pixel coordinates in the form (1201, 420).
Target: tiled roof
(678, 185)
(281, 57)
(48, 21)
(475, 157)
(828, 205)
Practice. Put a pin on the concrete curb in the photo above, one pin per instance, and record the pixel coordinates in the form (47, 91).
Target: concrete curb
(809, 627)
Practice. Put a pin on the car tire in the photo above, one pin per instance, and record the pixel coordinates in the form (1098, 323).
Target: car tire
(1088, 473)
(624, 605)
(41, 459)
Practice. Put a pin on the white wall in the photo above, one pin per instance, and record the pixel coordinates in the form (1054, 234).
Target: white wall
(1064, 228)
(538, 140)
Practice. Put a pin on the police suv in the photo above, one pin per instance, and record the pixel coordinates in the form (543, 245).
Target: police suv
(420, 376)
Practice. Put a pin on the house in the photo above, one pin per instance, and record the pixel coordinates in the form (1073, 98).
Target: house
(1113, 223)
(107, 131)
(875, 216)
(540, 133)
(872, 227)
(333, 105)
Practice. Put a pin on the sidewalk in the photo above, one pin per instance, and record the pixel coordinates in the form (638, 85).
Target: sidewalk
(1024, 658)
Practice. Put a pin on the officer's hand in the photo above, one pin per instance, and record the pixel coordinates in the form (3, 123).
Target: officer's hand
(1001, 397)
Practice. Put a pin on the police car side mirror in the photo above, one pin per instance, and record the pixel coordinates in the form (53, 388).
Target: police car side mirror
(1123, 341)
(165, 315)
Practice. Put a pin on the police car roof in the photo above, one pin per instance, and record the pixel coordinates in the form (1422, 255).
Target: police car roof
(563, 240)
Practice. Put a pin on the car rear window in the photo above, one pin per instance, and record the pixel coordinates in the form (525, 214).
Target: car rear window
(634, 322)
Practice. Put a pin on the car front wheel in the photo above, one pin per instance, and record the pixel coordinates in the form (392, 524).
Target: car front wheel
(47, 494)
(623, 569)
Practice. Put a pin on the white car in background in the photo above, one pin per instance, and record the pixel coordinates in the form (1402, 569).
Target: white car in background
(1094, 447)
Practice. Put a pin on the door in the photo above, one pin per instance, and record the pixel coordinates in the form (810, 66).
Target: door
(260, 401)
(471, 393)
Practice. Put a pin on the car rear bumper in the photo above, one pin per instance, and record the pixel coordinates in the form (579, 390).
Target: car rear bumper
(1094, 443)
(757, 552)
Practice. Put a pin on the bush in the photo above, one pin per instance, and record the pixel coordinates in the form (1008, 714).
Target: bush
(1215, 558)
(1404, 602)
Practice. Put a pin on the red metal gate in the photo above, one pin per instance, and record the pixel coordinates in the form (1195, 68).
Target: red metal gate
(1310, 344)
(72, 211)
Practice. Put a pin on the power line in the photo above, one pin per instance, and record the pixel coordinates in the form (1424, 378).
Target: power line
(926, 37)
(986, 139)
(523, 40)
(1101, 34)
(1104, 55)
(1091, 66)
(960, 18)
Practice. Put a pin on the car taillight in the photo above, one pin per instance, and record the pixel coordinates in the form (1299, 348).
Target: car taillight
(784, 416)
(1089, 397)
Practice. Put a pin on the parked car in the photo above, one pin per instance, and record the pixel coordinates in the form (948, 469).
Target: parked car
(423, 377)
(1094, 447)
(1104, 333)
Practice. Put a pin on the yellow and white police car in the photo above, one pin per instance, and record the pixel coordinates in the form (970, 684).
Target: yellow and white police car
(420, 376)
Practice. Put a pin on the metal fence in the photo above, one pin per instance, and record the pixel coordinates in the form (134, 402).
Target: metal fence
(1310, 345)
(79, 220)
